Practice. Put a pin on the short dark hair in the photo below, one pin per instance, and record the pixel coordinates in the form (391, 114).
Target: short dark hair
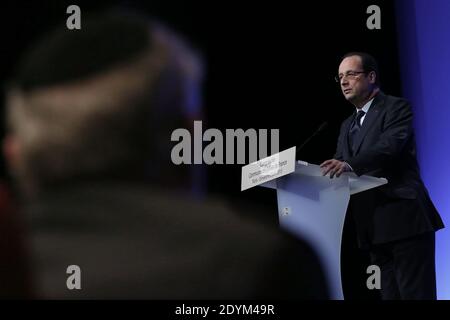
(132, 99)
(63, 55)
(368, 62)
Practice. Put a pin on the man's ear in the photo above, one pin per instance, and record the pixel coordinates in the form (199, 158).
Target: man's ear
(11, 151)
(372, 77)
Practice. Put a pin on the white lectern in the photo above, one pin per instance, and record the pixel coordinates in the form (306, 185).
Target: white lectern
(313, 207)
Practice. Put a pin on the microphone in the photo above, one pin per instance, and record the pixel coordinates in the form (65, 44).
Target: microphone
(321, 128)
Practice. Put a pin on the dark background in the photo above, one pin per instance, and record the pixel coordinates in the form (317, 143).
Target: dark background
(269, 65)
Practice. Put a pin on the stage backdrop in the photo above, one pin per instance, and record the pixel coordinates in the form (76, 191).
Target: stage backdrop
(424, 49)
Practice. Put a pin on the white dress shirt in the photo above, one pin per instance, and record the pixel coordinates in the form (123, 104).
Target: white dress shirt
(365, 108)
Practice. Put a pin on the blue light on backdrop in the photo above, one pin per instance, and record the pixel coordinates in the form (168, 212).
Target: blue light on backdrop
(424, 49)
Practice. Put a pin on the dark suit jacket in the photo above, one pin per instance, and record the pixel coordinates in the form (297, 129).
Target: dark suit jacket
(132, 241)
(386, 148)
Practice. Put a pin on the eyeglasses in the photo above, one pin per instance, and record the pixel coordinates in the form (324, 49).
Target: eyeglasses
(349, 75)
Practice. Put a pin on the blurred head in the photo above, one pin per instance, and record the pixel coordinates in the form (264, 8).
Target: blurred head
(358, 77)
(100, 102)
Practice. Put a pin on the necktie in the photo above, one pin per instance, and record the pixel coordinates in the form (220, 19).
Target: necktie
(354, 130)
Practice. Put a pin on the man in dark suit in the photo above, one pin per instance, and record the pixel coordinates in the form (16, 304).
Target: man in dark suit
(87, 112)
(396, 222)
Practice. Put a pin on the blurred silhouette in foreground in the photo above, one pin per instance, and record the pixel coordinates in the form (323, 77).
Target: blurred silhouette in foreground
(90, 114)
(14, 273)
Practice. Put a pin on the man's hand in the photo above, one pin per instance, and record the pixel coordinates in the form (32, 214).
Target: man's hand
(334, 167)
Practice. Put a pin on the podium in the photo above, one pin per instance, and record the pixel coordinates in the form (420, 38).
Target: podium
(313, 207)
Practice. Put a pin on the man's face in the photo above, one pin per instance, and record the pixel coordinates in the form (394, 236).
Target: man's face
(355, 84)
